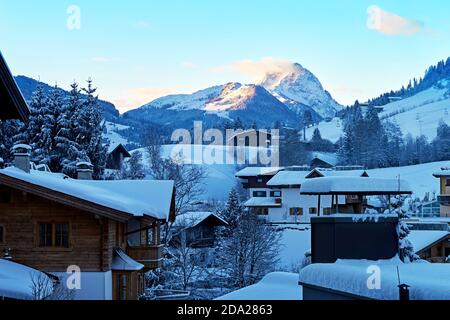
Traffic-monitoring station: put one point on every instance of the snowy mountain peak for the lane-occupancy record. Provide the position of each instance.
(297, 86)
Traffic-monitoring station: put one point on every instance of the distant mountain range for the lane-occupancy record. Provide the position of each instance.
(282, 96)
(28, 86)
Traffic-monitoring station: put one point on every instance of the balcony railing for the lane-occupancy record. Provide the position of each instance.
(149, 256)
(444, 200)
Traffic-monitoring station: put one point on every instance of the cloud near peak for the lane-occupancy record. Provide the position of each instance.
(391, 24)
(257, 69)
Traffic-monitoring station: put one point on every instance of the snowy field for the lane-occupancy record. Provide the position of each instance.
(420, 177)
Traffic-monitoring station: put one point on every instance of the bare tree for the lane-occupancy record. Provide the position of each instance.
(188, 179)
(45, 288)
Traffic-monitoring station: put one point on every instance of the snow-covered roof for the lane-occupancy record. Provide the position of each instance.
(261, 202)
(258, 171)
(445, 172)
(122, 262)
(192, 219)
(114, 145)
(341, 173)
(422, 239)
(274, 286)
(21, 146)
(135, 197)
(16, 280)
(288, 178)
(354, 185)
(427, 281)
(327, 157)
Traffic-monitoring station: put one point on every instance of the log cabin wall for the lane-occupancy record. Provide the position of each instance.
(91, 238)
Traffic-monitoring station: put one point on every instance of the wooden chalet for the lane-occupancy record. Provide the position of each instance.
(109, 229)
(444, 197)
(12, 103)
(117, 153)
(199, 228)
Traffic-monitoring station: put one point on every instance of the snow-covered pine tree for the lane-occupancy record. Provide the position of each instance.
(135, 169)
(46, 147)
(66, 144)
(406, 249)
(9, 129)
(233, 210)
(92, 127)
(31, 132)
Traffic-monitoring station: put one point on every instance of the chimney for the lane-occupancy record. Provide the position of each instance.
(21, 154)
(84, 170)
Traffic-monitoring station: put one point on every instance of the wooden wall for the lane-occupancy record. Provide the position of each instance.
(91, 238)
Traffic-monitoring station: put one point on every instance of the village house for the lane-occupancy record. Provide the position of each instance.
(110, 230)
(274, 193)
(198, 228)
(444, 197)
(117, 153)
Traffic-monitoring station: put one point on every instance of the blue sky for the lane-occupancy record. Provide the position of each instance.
(138, 50)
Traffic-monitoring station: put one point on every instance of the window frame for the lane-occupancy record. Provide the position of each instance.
(296, 211)
(272, 194)
(313, 211)
(261, 191)
(53, 246)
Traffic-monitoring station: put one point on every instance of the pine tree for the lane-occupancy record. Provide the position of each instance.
(91, 135)
(66, 137)
(135, 169)
(233, 210)
(46, 151)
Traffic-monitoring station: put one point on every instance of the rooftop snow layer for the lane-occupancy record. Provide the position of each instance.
(262, 202)
(422, 239)
(349, 185)
(138, 197)
(192, 219)
(16, 280)
(258, 171)
(427, 281)
(288, 178)
(274, 286)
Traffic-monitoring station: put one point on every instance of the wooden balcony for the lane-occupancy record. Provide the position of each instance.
(149, 256)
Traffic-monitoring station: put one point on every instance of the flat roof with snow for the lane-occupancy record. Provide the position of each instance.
(258, 171)
(354, 186)
(427, 281)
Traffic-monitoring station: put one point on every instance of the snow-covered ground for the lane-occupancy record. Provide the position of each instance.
(274, 286)
(295, 241)
(420, 177)
(113, 133)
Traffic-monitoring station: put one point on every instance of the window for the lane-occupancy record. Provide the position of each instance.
(327, 211)
(2, 234)
(296, 211)
(262, 211)
(312, 210)
(259, 180)
(447, 251)
(447, 184)
(53, 235)
(260, 194)
(275, 194)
